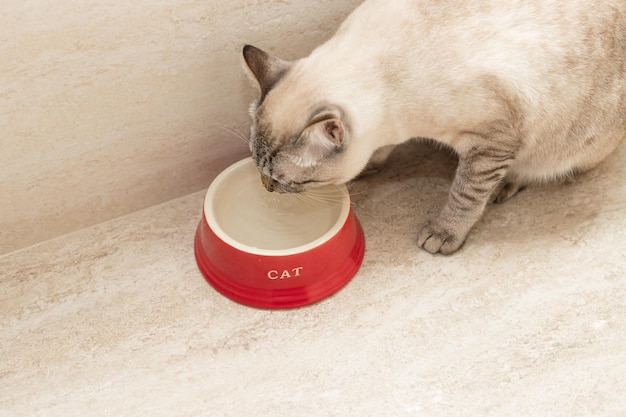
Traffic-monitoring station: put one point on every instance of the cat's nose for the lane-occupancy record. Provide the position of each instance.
(268, 182)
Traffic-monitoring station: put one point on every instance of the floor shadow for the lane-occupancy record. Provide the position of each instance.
(414, 184)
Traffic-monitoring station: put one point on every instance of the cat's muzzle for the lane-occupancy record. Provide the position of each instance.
(269, 183)
(272, 185)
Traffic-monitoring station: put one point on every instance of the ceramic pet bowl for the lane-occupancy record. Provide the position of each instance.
(274, 250)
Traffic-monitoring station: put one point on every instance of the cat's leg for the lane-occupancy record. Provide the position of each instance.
(377, 160)
(480, 171)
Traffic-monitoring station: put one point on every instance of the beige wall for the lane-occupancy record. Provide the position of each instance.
(107, 107)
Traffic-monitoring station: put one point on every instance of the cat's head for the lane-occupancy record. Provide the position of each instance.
(299, 138)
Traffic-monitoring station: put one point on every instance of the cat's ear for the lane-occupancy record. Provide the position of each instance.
(328, 133)
(266, 69)
(322, 138)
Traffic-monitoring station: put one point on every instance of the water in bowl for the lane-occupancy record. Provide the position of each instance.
(254, 217)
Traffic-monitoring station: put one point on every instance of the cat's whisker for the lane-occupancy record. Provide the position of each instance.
(321, 198)
(321, 201)
(355, 193)
(232, 130)
(312, 201)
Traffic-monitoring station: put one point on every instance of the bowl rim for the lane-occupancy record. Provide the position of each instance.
(221, 234)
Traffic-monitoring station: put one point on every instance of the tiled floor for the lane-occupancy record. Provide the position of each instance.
(528, 319)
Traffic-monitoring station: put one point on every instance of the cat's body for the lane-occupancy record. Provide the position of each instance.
(522, 90)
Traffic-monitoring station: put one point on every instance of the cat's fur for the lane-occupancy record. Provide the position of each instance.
(522, 90)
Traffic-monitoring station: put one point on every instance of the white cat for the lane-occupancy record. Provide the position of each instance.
(522, 90)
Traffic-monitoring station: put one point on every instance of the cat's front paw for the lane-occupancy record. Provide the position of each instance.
(435, 238)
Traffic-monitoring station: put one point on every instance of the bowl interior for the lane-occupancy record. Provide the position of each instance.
(242, 213)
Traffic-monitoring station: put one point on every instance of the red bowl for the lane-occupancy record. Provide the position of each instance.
(272, 250)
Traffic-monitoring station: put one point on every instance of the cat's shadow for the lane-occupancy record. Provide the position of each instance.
(414, 184)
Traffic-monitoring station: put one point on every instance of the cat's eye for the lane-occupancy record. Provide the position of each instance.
(303, 182)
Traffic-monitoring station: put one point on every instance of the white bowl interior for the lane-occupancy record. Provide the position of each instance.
(242, 213)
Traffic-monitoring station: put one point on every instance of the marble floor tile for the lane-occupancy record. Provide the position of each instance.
(528, 319)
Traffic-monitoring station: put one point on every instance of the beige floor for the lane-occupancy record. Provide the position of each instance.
(529, 319)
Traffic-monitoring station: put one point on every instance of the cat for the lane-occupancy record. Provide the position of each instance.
(522, 90)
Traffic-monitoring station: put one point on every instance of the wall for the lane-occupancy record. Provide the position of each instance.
(107, 107)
